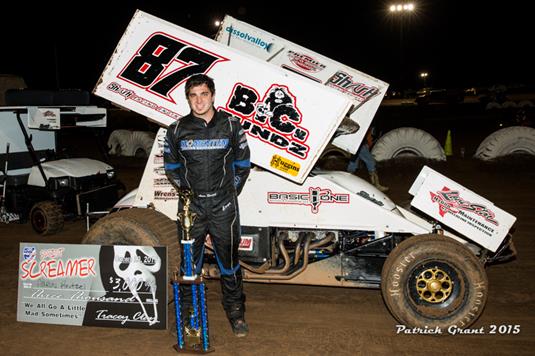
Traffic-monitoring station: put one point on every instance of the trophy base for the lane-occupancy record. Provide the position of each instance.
(192, 350)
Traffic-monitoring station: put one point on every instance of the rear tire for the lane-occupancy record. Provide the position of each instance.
(432, 281)
(46, 218)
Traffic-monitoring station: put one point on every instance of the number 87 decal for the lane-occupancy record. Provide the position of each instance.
(148, 67)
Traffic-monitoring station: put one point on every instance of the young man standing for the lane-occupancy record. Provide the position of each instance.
(207, 153)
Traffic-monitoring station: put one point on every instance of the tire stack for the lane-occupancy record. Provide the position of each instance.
(407, 142)
(506, 141)
(130, 143)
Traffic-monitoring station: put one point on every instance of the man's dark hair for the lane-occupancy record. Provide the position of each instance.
(200, 79)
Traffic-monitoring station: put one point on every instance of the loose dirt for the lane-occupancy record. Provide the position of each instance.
(302, 320)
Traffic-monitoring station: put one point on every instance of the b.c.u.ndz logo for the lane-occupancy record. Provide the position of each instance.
(275, 119)
(213, 144)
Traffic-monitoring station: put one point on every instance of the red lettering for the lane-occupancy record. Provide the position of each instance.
(72, 267)
(82, 267)
(26, 272)
(82, 263)
(91, 265)
(42, 266)
(61, 270)
(51, 272)
(34, 276)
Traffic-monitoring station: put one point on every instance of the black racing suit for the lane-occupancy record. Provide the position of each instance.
(213, 161)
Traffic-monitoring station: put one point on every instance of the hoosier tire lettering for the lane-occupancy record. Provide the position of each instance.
(395, 290)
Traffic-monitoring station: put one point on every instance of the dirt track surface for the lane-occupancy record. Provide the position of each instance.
(303, 320)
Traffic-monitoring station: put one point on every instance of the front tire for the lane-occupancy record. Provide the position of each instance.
(433, 281)
(46, 218)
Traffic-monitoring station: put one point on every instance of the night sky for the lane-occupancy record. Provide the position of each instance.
(460, 43)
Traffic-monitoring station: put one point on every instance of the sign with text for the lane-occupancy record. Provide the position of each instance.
(365, 91)
(288, 120)
(460, 209)
(91, 285)
(44, 118)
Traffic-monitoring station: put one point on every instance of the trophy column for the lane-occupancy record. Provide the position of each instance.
(192, 335)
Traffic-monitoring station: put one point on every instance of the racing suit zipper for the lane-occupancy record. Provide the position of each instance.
(207, 136)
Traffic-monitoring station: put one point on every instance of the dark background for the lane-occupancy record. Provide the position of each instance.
(460, 43)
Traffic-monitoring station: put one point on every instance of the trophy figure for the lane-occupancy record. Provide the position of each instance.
(192, 335)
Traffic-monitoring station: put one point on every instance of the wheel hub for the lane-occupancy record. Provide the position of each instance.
(39, 221)
(434, 285)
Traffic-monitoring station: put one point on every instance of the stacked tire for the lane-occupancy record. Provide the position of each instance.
(507, 141)
(131, 143)
(407, 142)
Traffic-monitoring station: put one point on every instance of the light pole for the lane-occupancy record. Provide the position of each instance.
(401, 10)
(424, 76)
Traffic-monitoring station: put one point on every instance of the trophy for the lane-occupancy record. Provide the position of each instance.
(192, 335)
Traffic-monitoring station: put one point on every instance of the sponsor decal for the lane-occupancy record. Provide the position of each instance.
(159, 171)
(246, 243)
(300, 73)
(367, 196)
(285, 165)
(52, 253)
(313, 198)
(161, 182)
(274, 120)
(344, 82)
(226, 206)
(158, 159)
(305, 62)
(49, 113)
(162, 142)
(129, 94)
(163, 195)
(29, 253)
(201, 145)
(450, 201)
(44, 118)
(246, 37)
